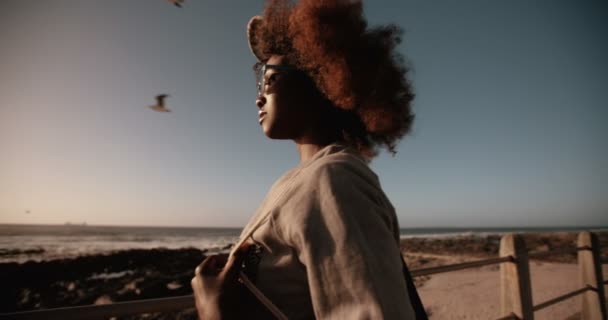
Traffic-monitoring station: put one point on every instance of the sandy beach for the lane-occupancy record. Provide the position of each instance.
(143, 274)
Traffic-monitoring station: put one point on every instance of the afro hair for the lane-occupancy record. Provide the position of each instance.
(357, 68)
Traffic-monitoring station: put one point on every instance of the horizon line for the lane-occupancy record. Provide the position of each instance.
(240, 227)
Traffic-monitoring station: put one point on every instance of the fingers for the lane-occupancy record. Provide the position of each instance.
(226, 266)
(233, 265)
(207, 267)
(195, 290)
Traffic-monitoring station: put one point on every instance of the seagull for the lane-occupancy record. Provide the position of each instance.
(177, 3)
(160, 103)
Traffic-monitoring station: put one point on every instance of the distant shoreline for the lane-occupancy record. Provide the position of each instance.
(20, 243)
(411, 230)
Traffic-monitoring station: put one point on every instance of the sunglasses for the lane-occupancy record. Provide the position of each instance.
(260, 72)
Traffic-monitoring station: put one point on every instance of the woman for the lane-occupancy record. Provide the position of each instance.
(325, 242)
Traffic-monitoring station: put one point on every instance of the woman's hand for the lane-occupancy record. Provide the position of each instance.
(215, 286)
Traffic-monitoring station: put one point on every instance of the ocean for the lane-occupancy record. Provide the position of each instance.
(20, 243)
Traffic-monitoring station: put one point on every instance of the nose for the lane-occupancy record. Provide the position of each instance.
(260, 101)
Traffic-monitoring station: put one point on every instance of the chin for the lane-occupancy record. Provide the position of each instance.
(274, 134)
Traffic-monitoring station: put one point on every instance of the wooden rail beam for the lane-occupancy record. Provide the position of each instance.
(105, 311)
(459, 266)
(560, 298)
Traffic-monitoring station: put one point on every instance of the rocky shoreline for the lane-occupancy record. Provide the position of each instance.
(99, 279)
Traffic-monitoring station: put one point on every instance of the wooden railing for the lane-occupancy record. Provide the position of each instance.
(516, 289)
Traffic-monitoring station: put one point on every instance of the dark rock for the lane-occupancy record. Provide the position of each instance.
(119, 276)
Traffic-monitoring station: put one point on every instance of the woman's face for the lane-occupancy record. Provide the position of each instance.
(285, 105)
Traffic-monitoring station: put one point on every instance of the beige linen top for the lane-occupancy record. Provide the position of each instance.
(330, 242)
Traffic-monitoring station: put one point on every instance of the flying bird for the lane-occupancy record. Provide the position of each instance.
(160, 103)
(177, 3)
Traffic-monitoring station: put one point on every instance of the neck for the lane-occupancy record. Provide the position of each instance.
(308, 150)
(309, 145)
(316, 137)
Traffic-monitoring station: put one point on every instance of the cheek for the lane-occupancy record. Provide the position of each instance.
(281, 121)
(279, 107)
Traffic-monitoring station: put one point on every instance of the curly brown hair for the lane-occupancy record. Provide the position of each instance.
(355, 67)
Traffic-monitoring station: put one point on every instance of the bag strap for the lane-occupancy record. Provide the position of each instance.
(413, 293)
(261, 297)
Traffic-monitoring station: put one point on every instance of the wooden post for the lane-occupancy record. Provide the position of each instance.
(516, 290)
(590, 271)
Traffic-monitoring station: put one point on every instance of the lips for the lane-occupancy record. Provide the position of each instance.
(261, 115)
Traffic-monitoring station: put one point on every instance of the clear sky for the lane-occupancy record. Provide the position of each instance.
(511, 118)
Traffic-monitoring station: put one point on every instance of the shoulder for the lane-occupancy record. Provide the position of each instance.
(335, 173)
(335, 192)
(342, 167)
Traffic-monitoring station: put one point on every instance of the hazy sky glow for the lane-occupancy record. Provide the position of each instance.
(510, 129)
